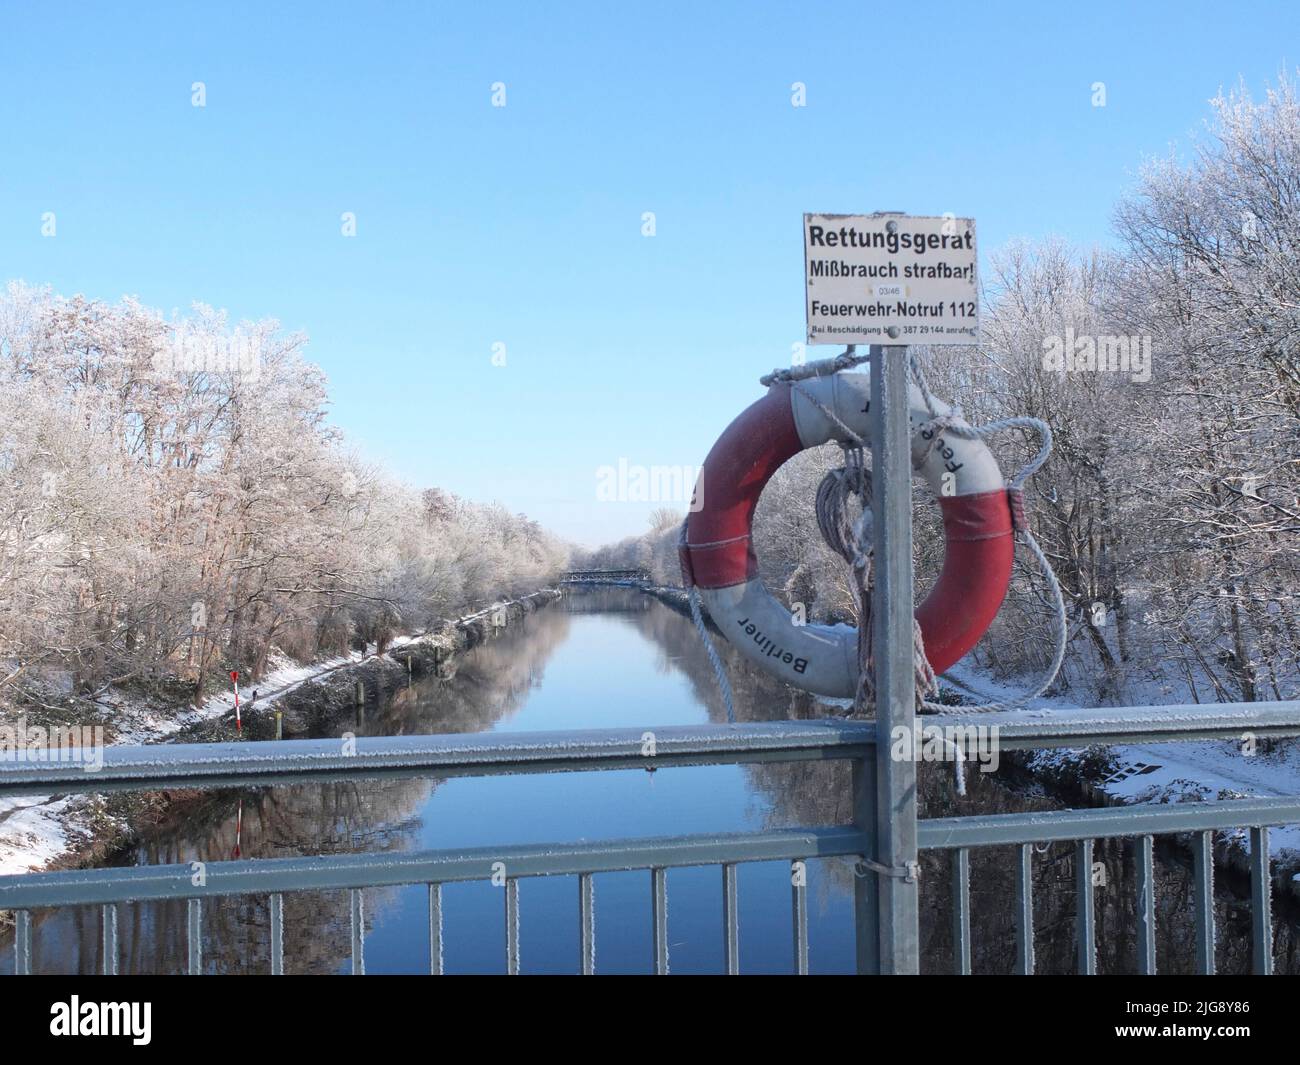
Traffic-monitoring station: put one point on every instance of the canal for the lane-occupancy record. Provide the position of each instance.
(609, 658)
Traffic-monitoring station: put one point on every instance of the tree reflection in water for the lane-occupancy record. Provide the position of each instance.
(490, 687)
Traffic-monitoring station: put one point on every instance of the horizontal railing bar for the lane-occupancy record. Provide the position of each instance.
(349, 871)
(138, 768)
(465, 754)
(1037, 729)
(991, 830)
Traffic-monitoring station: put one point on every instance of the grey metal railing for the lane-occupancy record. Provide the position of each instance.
(299, 761)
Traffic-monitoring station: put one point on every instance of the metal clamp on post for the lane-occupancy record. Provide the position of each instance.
(909, 873)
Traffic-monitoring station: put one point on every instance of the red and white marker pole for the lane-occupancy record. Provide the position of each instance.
(234, 676)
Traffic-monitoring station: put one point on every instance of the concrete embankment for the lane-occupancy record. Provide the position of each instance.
(675, 599)
(317, 704)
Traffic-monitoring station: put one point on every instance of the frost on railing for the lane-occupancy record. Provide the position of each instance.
(293, 761)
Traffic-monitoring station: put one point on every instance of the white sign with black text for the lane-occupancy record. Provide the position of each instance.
(890, 279)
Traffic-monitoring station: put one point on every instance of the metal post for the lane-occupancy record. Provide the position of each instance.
(512, 927)
(1203, 895)
(866, 892)
(435, 930)
(1146, 907)
(277, 934)
(109, 914)
(799, 914)
(1261, 902)
(587, 923)
(194, 936)
(1085, 919)
(961, 911)
(659, 918)
(1025, 911)
(358, 911)
(895, 675)
(23, 943)
(731, 919)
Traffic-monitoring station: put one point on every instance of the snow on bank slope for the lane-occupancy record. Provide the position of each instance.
(1210, 770)
(1177, 771)
(36, 830)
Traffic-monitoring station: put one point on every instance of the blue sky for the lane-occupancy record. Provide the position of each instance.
(522, 225)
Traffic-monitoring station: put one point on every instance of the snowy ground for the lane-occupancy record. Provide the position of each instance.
(34, 831)
(1173, 772)
(1177, 771)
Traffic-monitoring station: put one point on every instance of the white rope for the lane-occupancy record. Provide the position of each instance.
(1016, 485)
(719, 670)
(845, 360)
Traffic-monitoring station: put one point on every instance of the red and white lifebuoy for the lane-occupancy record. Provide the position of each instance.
(718, 556)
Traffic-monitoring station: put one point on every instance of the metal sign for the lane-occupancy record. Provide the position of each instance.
(890, 279)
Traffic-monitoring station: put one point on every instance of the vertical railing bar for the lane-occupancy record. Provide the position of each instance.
(731, 920)
(1146, 906)
(1085, 914)
(587, 922)
(1025, 911)
(659, 905)
(512, 926)
(1203, 877)
(961, 911)
(1261, 904)
(277, 934)
(799, 914)
(358, 917)
(866, 890)
(435, 930)
(893, 650)
(194, 936)
(109, 918)
(23, 943)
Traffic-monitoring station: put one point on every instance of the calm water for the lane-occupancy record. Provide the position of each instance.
(601, 658)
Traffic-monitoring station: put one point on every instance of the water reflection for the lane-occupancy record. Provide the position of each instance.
(608, 657)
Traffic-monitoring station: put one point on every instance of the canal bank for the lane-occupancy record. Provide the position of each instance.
(58, 832)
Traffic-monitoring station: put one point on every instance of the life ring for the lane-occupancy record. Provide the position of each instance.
(717, 553)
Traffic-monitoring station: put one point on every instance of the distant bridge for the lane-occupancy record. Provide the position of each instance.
(606, 576)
